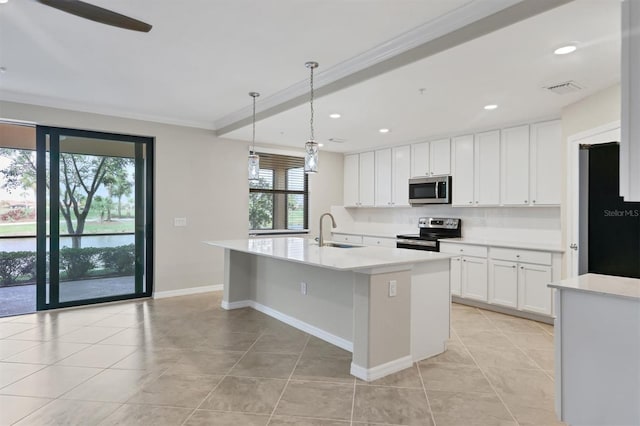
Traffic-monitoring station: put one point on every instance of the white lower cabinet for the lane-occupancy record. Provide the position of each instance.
(511, 278)
(503, 283)
(378, 241)
(364, 240)
(533, 293)
(474, 278)
(347, 238)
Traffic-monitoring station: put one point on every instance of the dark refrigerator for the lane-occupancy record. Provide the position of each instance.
(613, 225)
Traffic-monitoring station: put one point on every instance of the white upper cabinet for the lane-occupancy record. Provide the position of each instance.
(383, 178)
(401, 170)
(367, 176)
(358, 179)
(440, 157)
(431, 158)
(545, 162)
(462, 168)
(351, 180)
(514, 166)
(420, 165)
(487, 169)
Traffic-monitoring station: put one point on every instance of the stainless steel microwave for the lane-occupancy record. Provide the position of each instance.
(430, 190)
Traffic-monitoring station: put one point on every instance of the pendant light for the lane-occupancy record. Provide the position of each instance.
(311, 147)
(254, 159)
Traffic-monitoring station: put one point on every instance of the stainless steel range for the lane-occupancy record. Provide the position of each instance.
(432, 229)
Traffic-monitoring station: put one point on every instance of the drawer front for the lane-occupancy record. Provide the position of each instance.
(463, 249)
(378, 242)
(517, 255)
(347, 238)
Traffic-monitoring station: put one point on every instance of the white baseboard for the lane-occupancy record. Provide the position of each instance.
(236, 305)
(294, 322)
(370, 374)
(187, 291)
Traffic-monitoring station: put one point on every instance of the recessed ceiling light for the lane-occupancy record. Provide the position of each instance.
(335, 115)
(569, 48)
(4, 1)
(320, 145)
(490, 107)
(384, 130)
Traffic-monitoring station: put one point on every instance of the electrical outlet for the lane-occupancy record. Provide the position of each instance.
(303, 288)
(179, 221)
(393, 288)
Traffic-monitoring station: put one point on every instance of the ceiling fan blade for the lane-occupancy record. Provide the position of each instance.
(98, 14)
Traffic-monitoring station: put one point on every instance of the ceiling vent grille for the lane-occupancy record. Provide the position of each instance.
(337, 140)
(564, 88)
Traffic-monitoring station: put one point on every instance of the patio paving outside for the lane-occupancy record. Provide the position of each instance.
(16, 300)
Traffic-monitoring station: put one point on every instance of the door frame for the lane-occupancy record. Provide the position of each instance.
(609, 132)
(144, 258)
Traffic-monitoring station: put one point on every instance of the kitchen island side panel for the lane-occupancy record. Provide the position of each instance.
(239, 275)
(430, 308)
(599, 359)
(328, 304)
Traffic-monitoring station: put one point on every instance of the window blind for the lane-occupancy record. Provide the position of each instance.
(279, 199)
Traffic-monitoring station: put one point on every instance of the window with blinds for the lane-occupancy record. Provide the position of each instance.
(279, 200)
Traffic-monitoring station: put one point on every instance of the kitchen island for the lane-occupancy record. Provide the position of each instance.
(390, 307)
(597, 350)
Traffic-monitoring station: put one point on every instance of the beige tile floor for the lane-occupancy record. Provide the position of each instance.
(186, 361)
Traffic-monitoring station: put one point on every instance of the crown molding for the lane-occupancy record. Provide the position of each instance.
(472, 20)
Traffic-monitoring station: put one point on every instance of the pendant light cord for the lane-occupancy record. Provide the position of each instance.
(254, 95)
(253, 138)
(311, 102)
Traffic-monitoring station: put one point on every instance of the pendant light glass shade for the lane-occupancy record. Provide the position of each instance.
(253, 162)
(254, 166)
(311, 147)
(311, 157)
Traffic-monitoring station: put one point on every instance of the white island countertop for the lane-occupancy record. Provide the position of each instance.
(607, 285)
(307, 251)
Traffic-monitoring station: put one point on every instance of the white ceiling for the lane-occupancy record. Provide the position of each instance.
(508, 67)
(202, 57)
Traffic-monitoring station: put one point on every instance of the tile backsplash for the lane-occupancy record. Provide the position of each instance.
(530, 224)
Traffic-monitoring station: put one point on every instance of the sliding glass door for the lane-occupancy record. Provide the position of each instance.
(94, 224)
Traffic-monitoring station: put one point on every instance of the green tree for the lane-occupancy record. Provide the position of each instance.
(261, 205)
(81, 176)
(119, 186)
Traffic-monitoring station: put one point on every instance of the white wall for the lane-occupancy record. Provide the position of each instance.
(594, 111)
(198, 176)
(600, 108)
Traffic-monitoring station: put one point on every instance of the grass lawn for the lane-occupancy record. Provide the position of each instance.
(29, 229)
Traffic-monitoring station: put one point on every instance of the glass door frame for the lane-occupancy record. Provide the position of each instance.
(144, 211)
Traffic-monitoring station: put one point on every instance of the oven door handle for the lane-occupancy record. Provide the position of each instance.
(418, 242)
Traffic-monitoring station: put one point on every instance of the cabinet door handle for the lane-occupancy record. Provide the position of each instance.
(534, 201)
(476, 202)
(470, 202)
(525, 201)
(517, 255)
(522, 267)
(514, 266)
(464, 260)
